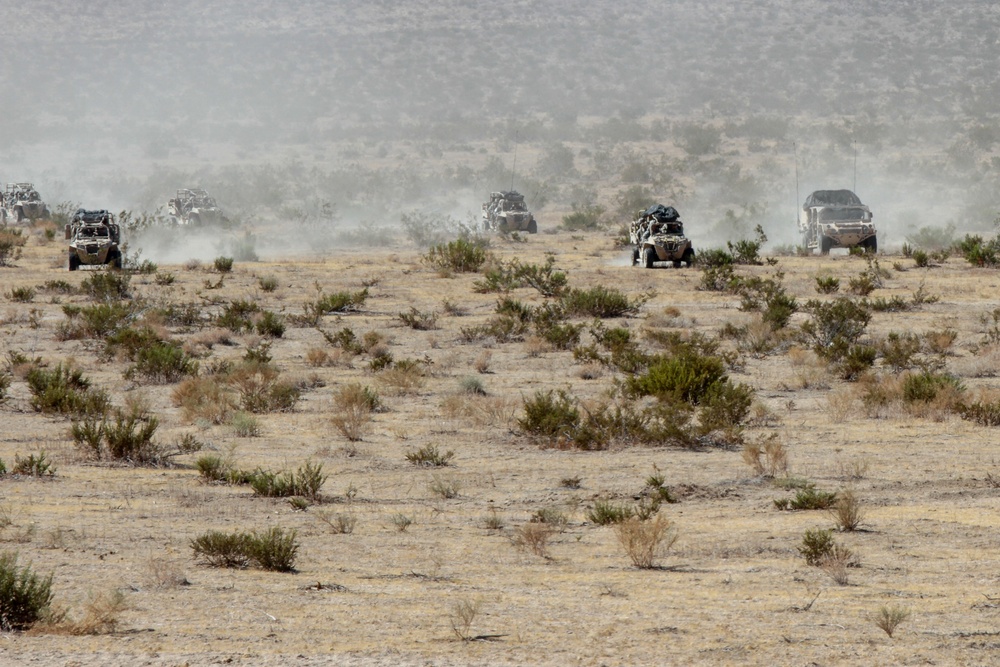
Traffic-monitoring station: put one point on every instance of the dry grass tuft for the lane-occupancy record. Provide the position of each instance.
(847, 513)
(888, 619)
(644, 541)
(768, 458)
(534, 537)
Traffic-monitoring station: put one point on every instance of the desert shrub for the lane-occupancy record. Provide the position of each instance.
(207, 398)
(212, 467)
(926, 386)
(25, 597)
(855, 361)
(827, 284)
(605, 512)
(11, 242)
(267, 283)
(260, 389)
(128, 438)
(269, 324)
(644, 541)
(403, 377)
(429, 455)
(768, 458)
(237, 316)
(984, 410)
(223, 264)
(127, 342)
(22, 294)
(244, 425)
(418, 320)
(98, 321)
(808, 498)
(601, 302)
(933, 238)
(161, 362)
(339, 523)
(461, 255)
(862, 285)
(888, 619)
(305, 482)
(725, 405)
(898, 350)
(5, 381)
(584, 217)
(835, 325)
(549, 414)
(65, 390)
(894, 304)
(686, 376)
(816, 545)
(747, 251)
(107, 285)
(354, 406)
(847, 512)
(164, 279)
(534, 537)
(273, 549)
(445, 487)
(978, 252)
(33, 466)
(921, 259)
(767, 296)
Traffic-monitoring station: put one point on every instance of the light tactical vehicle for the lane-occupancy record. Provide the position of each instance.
(507, 212)
(93, 239)
(657, 235)
(21, 201)
(837, 219)
(194, 207)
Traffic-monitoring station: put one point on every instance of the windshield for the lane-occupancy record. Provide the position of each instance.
(834, 214)
(514, 206)
(94, 232)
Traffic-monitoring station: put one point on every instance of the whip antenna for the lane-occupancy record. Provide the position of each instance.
(513, 166)
(795, 155)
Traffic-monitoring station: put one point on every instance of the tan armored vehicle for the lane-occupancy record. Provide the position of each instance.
(93, 239)
(657, 235)
(507, 212)
(194, 207)
(837, 219)
(21, 201)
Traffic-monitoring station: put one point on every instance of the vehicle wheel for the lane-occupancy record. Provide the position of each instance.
(635, 256)
(688, 257)
(824, 245)
(648, 257)
(871, 245)
(532, 227)
(18, 214)
(677, 263)
(74, 262)
(194, 220)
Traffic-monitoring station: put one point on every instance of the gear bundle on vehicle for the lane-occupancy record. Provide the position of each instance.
(657, 235)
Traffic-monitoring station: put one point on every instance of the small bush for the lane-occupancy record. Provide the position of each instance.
(445, 487)
(605, 512)
(602, 302)
(207, 398)
(22, 294)
(11, 242)
(549, 415)
(429, 455)
(237, 316)
(245, 425)
(418, 320)
(161, 363)
(65, 390)
(25, 597)
(889, 618)
(305, 482)
(461, 255)
(809, 498)
(921, 259)
(34, 466)
(827, 284)
(339, 524)
(273, 549)
(260, 389)
(164, 279)
(128, 439)
(768, 458)
(847, 511)
(270, 325)
(223, 264)
(816, 545)
(644, 541)
(107, 285)
(534, 537)
(268, 283)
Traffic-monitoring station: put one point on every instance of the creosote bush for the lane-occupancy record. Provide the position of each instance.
(25, 597)
(305, 482)
(429, 455)
(65, 390)
(461, 255)
(273, 549)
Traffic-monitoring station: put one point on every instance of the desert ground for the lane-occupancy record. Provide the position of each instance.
(732, 589)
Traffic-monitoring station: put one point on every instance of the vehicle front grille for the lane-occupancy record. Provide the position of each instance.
(92, 249)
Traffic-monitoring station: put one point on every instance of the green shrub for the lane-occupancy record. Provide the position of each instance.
(601, 302)
(34, 466)
(827, 284)
(686, 376)
(223, 264)
(724, 406)
(244, 425)
(237, 316)
(164, 279)
(816, 546)
(747, 251)
(979, 253)
(461, 255)
(306, 482)
(107, 285)
(65, 390)
(898, 350)
(11, 242)
(924, 387)
(604, 513)
(921, 259)
(549, 414)
(128, 439)
(270, 325)
(587, 217)
(429, 455)
(161, 363)
(984, 412)
(835, 325)
(273, 549)
(25, 597)
(339, 302)
(932, 238)
(809, 498)
(260, 389)
(22, 294)
(419, 320)
(268, 283)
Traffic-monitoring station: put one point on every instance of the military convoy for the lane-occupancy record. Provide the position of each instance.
(836, 219)
(194, 207)
(657, 235)
(506, 212)
(21, 201)
(94, 238)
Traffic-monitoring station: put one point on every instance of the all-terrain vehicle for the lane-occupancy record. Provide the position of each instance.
(93, 239)
(21, 201)
(507, 212)
(837, 219)
(194, 207)
(657, 235)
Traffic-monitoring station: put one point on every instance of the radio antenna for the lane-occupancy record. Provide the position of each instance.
(855, 166)
(795, 155)
(513, 166)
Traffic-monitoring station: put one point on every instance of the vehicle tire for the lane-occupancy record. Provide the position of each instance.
(74, 262)
(18, 214)
(194, 220)
(677, 263)
(871, 245)
(648, 257)
(825, 243)
(688, 257)
(532, 227)
(635, 256)
(115, 260)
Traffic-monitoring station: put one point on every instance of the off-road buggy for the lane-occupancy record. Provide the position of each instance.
(194, 207)
(836, 219)
(507, 212)
(21, 201)
(657, 235)
(93, 239)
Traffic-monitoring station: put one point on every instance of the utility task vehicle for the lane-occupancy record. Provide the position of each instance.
(657, 235)
(194, 207)
(507, 212)
(836, 219)
(21, 201)
(93, 239)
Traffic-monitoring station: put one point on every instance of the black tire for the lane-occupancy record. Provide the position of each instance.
(74, 262)
(115, 260)
(194, 220)
(648, 257)
(677, 263)
(18, 214)
(688, 257)
(871, 245)
(635, 256)
(825, 243)
(532, 227)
